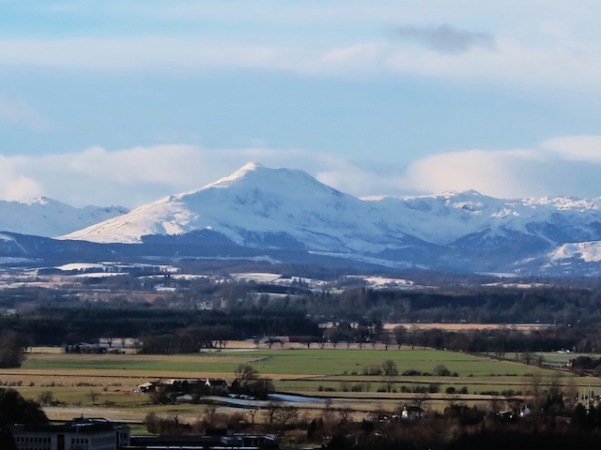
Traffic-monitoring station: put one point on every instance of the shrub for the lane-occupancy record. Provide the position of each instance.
(440, 370)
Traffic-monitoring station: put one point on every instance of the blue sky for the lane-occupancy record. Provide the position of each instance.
(123, 101)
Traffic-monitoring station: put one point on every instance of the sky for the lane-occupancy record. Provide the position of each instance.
(120, 102)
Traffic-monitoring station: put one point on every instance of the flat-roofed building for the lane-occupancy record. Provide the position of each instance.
(79, 434)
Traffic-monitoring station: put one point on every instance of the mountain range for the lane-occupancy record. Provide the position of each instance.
(286, 214)
(46, 217)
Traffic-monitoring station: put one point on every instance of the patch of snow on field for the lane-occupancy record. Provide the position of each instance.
(383, 282)
(99, 274)
(80, 266)
(257, 277)
(179, 276)
(517, 285)
(117, 266)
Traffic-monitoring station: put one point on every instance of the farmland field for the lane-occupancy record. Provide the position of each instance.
(104, 384)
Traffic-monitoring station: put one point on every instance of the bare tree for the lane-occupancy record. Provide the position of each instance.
(527, 357)
(252, 412)
(400, 333)
(45, 398)
(540, 360)
(286, 414)
(514, 403)
(245, 373)
(453, 400)
(534, 391)
(389, 374)
(210, 416)
(571, 394)
(137, 344)
(271, 410)
(413, 336)
(345, 414)
(93, 396)
(386, 338)
(495, 404)
(420, 400)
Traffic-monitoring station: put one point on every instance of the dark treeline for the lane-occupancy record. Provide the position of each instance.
(473, 305)
(502, 341)
(191, 328)
(168, 331)
(350, 301)
(204, 313)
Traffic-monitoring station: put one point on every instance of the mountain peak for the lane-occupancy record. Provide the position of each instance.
(40, 200)
(238, 174)
(252, 165)
(470, 193)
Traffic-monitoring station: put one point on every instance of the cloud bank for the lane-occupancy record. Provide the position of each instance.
(130, 177)
(511, 53)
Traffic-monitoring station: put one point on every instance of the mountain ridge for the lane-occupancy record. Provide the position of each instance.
(43, 216)
(289, 210)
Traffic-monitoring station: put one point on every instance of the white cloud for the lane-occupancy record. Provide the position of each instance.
(512, 61)
(22, 189)
(528, 44)
(14, 185)
(138, 175)
(133, 53)
(531, 172)
(18, 112)
(580, 148)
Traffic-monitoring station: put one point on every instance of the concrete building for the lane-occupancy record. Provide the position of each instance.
(79, 434)
(206, 442)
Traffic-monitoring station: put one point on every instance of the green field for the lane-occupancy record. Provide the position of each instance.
(338, 373)
(280, 362)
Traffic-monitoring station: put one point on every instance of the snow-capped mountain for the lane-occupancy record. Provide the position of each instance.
(449, 217)
(288, 210)
(257, 206)
(46, 217)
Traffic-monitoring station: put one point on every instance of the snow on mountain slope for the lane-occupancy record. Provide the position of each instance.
(256, 201)
(445, 218)
(259, 207)
(46, 217)
(585, 251)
